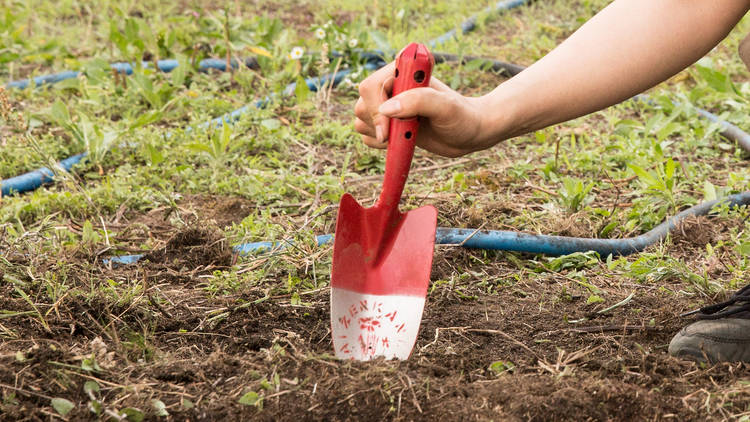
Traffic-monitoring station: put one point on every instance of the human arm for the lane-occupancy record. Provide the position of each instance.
(628, 47)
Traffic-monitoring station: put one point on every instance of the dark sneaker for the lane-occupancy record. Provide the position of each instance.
(722, 333)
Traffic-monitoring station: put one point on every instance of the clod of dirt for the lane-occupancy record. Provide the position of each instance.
(200, 245)
(695, 231)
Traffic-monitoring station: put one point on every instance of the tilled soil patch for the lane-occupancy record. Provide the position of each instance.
(511, 355)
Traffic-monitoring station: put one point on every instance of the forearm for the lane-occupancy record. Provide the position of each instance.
(628, 47)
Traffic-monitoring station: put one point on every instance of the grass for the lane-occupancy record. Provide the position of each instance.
(185, 335)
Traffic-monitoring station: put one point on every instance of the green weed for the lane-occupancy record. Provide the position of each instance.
(573, 193)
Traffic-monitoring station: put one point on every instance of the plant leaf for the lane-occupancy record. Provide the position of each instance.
(146, 119)
(260, 51)
(251, 398)
(301, 90)
(59, 113)
(715, 79)
(132, 414)
(62, 406)
(180, 72)
(91, 386)
(709, 191)
(271, 124)
(200, 148)
(159, 407)
(643, 175)
(500, 366)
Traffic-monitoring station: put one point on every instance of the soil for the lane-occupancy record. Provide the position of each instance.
(502, 337)
(179, 343)
(193, 247)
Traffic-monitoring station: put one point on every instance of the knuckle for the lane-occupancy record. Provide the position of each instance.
(360, 109)
(360, 126)
(366, 86)
(380, 119)
(453, 102)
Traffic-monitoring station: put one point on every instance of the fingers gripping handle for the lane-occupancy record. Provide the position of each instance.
(413, 70)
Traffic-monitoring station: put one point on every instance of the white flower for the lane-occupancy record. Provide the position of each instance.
(296, 53)
(320, 33)
(353, 42)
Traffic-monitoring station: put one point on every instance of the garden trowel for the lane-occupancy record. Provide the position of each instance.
(382, 257)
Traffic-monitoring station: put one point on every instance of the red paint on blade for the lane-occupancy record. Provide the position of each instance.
(394, 260)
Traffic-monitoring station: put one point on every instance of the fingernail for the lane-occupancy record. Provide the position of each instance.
(379, 133)
(390, 107)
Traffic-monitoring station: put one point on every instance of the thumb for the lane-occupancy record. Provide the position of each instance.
(426, 102)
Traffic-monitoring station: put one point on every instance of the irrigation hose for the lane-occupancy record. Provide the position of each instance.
(36, 178)
(167, 65)
(535, 243)
(504, 240)
(468, 238)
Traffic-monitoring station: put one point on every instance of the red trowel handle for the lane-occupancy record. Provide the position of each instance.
(413, 70)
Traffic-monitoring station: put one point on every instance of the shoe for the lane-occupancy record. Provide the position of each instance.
(722, 333)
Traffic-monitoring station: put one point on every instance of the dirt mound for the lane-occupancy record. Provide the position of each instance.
(696, 232)
(200, 245)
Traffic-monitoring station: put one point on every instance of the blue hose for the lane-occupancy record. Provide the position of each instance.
(35, 179)
(471, 23)
(168, 65)
(468, 238)
(729, 130)
(560, 245)
(519, 242)
(312, 83)
(44, 79)
(127, 68)
(374, 60)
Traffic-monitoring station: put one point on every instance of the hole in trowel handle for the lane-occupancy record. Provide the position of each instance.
(407, 135)
(419, 76)
(396, 73)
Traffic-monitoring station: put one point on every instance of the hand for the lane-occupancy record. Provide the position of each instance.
(451, 124)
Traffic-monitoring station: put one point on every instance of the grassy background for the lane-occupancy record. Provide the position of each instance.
(280, 171)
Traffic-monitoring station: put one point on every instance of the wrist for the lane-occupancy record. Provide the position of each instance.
(498, 117)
